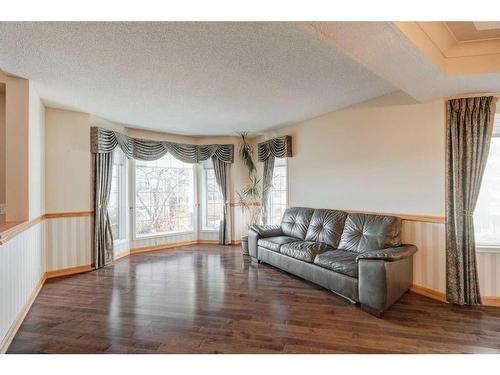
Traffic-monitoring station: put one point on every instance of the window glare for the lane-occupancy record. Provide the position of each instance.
(278, 193)
(487, 212)
(213, 204)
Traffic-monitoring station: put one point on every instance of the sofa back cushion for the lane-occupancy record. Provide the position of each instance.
(326, 226)
(296, 221)
(363, 232)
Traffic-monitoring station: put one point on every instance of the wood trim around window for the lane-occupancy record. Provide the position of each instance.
(68, 214)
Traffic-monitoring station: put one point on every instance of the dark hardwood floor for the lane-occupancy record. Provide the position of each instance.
(211, 299)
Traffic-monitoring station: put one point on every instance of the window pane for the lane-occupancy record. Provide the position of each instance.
(164, 195)
(278, 194)
(116, 204)
(487, 213)
(212, 199)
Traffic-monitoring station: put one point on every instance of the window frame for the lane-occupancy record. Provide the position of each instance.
(133, 208)
(203, 207)
(484, 247)
(270, 202)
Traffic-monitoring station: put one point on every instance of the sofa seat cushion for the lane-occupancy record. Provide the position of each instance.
(274, 243)
(341, 261)
(304, 250)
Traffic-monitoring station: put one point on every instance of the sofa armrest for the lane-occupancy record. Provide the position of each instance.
(384, 276)
(267, 230)
(390, 254)
(260, 231)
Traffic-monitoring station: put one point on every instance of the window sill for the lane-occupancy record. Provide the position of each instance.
(210, 230)
(492, 249)
(165, 234)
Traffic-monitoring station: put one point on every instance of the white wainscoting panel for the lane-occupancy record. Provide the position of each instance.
(488, 265)
(120, 248)
(429, 263)
(209, 236)
(240, 223)
(68, 242)
(429, 268)
(163, 240)
(21, 268)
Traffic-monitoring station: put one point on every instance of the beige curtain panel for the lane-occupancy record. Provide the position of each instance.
(469, 126)
(103, 237)
(221, 171)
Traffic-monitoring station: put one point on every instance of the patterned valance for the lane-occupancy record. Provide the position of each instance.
(280, 147)
(105, 141)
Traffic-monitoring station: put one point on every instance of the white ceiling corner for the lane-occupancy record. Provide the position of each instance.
(383, 49)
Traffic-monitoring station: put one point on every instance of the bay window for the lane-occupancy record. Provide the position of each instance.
(278, 196)
(164, 196)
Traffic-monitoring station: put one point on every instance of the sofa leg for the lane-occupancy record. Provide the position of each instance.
(372, 311)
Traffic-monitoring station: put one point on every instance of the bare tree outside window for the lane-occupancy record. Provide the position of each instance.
(164, 196)
(213, 204)
(279, 190)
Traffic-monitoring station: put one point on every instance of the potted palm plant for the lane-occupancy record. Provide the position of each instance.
(250, 197)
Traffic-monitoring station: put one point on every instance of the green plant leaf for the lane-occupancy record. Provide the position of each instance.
(246, 154)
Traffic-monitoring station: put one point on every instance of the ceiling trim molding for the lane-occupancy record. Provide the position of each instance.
(436, 41)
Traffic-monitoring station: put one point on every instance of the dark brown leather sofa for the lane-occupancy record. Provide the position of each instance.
(358, 256)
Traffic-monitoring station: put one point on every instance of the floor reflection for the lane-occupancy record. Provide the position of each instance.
(179, 286)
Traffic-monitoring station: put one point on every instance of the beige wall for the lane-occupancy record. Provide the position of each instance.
(2, 148)
(68, 160)
(36, 155)
(67, 155)
(386, 155)
(16, 148)
(22, 146)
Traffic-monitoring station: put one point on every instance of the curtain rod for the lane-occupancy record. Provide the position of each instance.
(473, 95)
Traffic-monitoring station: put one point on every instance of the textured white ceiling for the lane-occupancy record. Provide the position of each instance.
(384, 50)
(191, 78)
